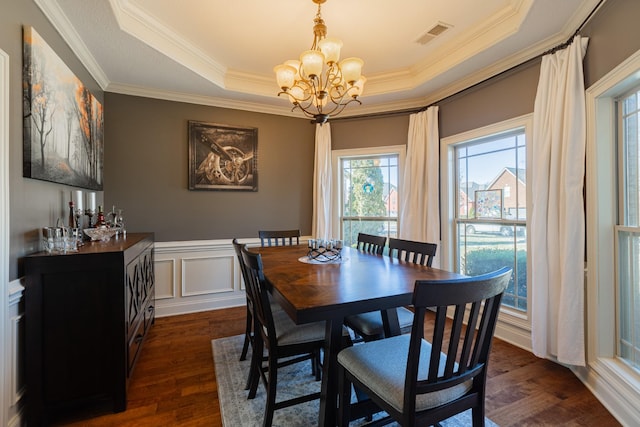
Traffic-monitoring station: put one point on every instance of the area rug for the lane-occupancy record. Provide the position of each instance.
(293, 380)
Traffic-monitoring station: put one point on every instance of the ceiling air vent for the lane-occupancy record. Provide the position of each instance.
(434, 31)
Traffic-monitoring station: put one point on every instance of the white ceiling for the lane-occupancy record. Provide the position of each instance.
(222, 52)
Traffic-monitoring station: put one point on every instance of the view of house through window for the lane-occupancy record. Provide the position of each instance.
(491, 213)
(628, 230)
(369, 196)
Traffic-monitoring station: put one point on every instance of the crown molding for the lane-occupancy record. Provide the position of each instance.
(212, 101)
(150, 31)
(58, 19)
(386, 83)
(153, 33)
(284, 110)
(250, 83)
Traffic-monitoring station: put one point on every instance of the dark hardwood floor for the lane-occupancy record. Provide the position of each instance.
(174, 382)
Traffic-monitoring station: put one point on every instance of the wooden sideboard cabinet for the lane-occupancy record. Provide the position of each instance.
(87, 314)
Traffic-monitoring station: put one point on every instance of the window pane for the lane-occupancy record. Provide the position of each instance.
(383, 227)
(631, 145)
(483, 252)
(369, 196)
(629, 297)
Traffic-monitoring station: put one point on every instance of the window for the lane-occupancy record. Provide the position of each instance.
(491, 221)
(628, 230)
(612, 256)
(367, 183)
(487, 199)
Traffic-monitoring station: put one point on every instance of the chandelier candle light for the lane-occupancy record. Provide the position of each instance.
(319, 91)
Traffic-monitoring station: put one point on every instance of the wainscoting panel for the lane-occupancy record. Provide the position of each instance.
(207, 275)
(165, 277)
(197, 275)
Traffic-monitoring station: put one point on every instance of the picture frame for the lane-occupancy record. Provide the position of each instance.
(63, 137)
(488, 204)
(222, 157)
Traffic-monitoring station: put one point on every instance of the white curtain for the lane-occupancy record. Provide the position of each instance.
(321, 223)
(557, 211)
(419, 197)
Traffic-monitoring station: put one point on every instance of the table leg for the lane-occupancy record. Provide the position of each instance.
(329, 391)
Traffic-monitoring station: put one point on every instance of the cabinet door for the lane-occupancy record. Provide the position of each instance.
(139, 302)
(149, 283)
(79, 358)
(133, 294)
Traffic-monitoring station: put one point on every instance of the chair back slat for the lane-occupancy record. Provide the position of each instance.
(467, 337)
(370, 243)
(279, 237)
(412, 251)
(454, 340)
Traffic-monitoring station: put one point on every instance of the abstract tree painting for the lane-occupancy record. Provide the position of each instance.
(63, 122)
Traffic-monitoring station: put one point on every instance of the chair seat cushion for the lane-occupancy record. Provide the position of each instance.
(381, 365)
(289, 333)
(274, 306)
(370, 323)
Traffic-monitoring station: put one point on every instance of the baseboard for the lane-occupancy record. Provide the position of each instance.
(182, 307)
(514, 335)
(620, 397)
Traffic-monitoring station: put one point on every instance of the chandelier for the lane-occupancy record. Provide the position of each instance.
(319, 84)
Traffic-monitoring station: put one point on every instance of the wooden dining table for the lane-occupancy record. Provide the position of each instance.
(360, 282)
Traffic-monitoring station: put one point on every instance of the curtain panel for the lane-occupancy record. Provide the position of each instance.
(321, 222)
(557, 212)
(419, 193)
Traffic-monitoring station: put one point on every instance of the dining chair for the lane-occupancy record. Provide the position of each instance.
(370, 326)
(420, 382)
(279, 237)
(276, 333)
(370, 243)
(248, 330)
(267, 238)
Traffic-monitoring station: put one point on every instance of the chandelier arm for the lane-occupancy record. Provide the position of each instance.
(305, 112)
(307, 105)
(338, 107)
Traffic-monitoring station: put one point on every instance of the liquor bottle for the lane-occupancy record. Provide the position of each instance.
(100, 222)
(72, 215)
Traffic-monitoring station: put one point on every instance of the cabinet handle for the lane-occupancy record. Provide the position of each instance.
(139, 338)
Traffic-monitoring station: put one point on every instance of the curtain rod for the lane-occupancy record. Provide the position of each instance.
(554, 49)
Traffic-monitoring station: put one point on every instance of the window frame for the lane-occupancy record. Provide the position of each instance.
(615, 383)
(513, 325)
(336, 178)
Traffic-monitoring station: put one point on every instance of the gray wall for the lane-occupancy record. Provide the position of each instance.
(146, 142)
(33, 203)
(509, 95)
(146, 172)
(614, 34)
